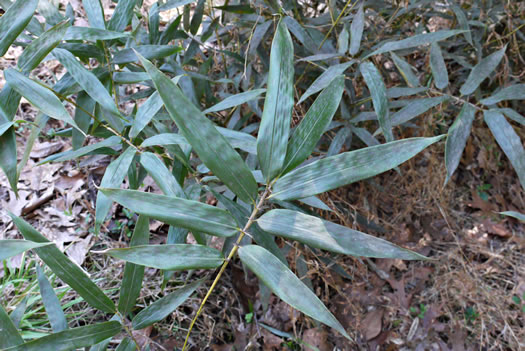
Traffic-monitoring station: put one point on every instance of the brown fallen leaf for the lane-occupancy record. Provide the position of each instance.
(45, 149)
(316, 337)
(372, 324)
(496, 229)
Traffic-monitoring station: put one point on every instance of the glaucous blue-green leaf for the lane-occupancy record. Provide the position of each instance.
(406, 70)
(95, 13)
(325, 235)
(258, 36)
(213, 149)
(462, 21)
(13, 22)
(513, 92)
(121, 16)
(163, 307)
(65, 269)
(176, 211)
(35, 52)
(415, 108)
(235, 100)
(342, 40)
(133, 274)
(325, 79)
(72, 339)
(396, 92)
(457, 138)
(512, 114)
(113, 178)
(38, 95)
(165, 139)
(148, 51)
(347, 167)
(92, 34)
(83, 112)
(51, 303)
(514, 214)
(481, 71)
(377, 88)
(171, 4)
(196, 19)
(356, 30)
(130, 77)
(283, 283)
(72, 154)
(49, 10)
(8, 158)
(10, 336)
(171, 257)
(5, 126)
(161, 174)
(438, 66)
(508, 140)
(240, 140)
(278, 104)
(315, 202)
(127, 344)
(13, 247)
(312, 126)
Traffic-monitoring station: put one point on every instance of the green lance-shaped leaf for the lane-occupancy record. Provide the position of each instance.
(72, 154)
(512, 114)
(176, 211)
(342, 40)
(325, 79)
(438, 66)
(127, 344)
(514, 92)
(406, 70)
(52, 305)
(481, 71)
(196, 20)
(72, 339)
(171, 4)
(213, 149)
(240, 140)
(133, 274)
(356, 30)
(8, 159)
(148, 51)
(508, 140)
(121, 16)
(377, 88)
(38, 95)
(283, 283)
(415, 41)
(65, 269)
(10, 336)
(235, 100)
(171, 257)
(514, 214)
(325, 235)
(95, 13)
(86, 79)
(416, 108)
(130, 77)
(165, 139)
(457, 138)
(163, 307)
(161, 174)
(13, 247)
(85, 107)
(5, 126)
(13, 22)
(278, 105)
(113, 178)
(92, 34)
(348, 167)
(462, 21)
(313, 125)
(35, 52)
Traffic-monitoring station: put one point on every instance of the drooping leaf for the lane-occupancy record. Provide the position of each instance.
(196, 20)
(148, 51)
(95, 13)
(512, 114)
(342, 40)
(83, 112)
(481, 71)
(163, 307)
(462, 21)
(5, 127)
(72, 339)
(35, 52)
(52, 305)
(92, 34)
(235, 100)
(213, 149)
(356, 30)
(113, 178)
(325, 79)
(121, 16)
(65, 269)
(171, 257)
(13, 22)
(514, 214)
(127, 344)
(162, 176)
(508, 140)
(165, 139)
(315, 202)
(283, 283)
(176, 211)
(278, 105)
(50, 12)
(438, 66)
(513, 92)
(339, 140)
(258, 36)
(10, 336)
(377, 88)
(39, 96)
(325, 235)
(406, 70)
(72, 154)
(13, 247)
(457, 138)
(313, 125)
(133, 274)
(171, 4)
(348, 167)
(416, 108)
(8, 158)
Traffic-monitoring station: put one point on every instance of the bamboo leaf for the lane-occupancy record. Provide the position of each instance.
(348, 167)
(196, 20)
(235, 100)
(176, 211)
(95, 13)
(512, 114)
(508, 140)
(313, 125)
(52, 305)
(8, 158)
(416, 108)
(92, 34)
(165, 139)
(283, 283)
(150, 52)
(278, 105)
(240, 140)
(325, 235)
(514, 92)
(171, 257)
(457, 139)
(514, 214)
(481, 71)
(163, 307)
(356, 30)
(342, 40)
(13, 247)
(10, 336)
(325, 79)
(171, 4)
(462, 21)
(65, 269)
(213, 149)
(162, 176)
(133, 274)
(438, 66)
(406, 70)
(85, 107)
(121, 16)
(72, 154)
(13, 22)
